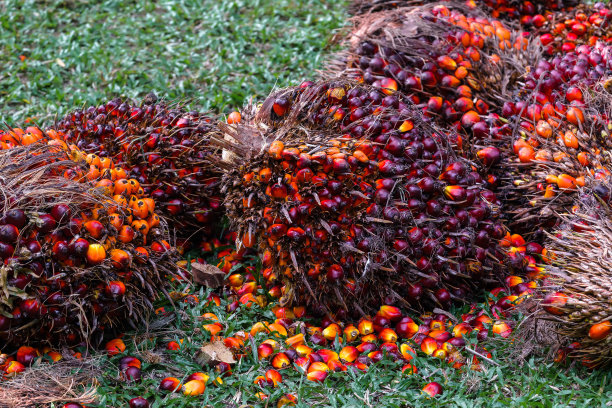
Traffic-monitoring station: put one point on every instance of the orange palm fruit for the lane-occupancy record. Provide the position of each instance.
(193, 388)
(601, 330)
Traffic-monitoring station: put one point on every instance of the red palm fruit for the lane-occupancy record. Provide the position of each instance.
(391, 313)
(388, 85)
(317, 376)
(434, 104)
(601, 330)
(129, 361)
(72, 405)
(234, 118)
(280, 106)
(447, 63)
(139, 402)
(95, 254)
(328, 355)
(409, 369)
(461, 329)
(132, 374)
(428, 345)
(115, 289)
(318, 366)
(365, 327)
(406, 328)
(336, 366)
(302, 362)
(407, 352)
(455, 193)
(432, 389)
(388, 335)
(489, 155)
(264, 351)
(440, 354)
(575, 115)
(26, 355)
(274, 377)
(303, 350)
(469, 119)
(348, 354)
(9, 233)
(281, 361)
(502, 328)
(463, 104)
(13, 368)
(115, 346)
(331, 331)
(173, 345)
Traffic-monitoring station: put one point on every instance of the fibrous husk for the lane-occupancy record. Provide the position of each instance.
(368, 239)
(69, 380)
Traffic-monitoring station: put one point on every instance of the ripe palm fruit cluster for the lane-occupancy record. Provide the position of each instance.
(582, 304)
(163, 147)
(83, 249)
(350, 199)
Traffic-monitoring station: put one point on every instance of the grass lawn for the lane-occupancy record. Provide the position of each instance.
(58, 55)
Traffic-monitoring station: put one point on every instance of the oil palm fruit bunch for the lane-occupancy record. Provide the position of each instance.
(580, 302)
(557, 127)
(351, 200)
(83, 248)
(161, 146)
(458, 68)
(443, 58)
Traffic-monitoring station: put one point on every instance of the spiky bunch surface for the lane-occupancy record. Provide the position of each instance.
(352, 200)
(582, 304)
(84, 252)
(162, 146)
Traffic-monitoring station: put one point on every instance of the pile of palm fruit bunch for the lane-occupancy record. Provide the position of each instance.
(352, 200)
(578, 299)
(84, 251)
(164, 147)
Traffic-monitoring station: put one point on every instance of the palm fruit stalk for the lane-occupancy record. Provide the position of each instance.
(352, 200)
(579, 299)
(163, 147)
(84, 251)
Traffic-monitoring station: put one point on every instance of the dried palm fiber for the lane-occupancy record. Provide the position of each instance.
(68, 380)
(578, 296)
(84, 252)
(558, 129)
(353, 200)
(161, 145)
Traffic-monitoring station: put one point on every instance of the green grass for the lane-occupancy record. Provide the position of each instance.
(535, 383)
(216, 54)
